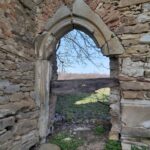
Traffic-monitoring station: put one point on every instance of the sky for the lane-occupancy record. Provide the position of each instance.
(70, 55)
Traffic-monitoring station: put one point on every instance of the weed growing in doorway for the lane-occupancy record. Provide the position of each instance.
(113, 145)
(66, 141)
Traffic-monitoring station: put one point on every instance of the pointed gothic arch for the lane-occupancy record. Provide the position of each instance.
(81, 17)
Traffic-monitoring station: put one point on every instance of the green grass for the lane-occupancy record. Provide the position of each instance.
(66, 141)
(84, 106)
(99, 130)
(113, 145)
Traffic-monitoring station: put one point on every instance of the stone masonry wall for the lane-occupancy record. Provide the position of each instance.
(21, 21)
(18, 112)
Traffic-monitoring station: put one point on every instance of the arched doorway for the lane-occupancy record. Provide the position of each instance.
(81, 17)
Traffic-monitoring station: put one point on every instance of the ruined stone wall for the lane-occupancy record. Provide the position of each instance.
(18, 112)
(129, 20)
(21, 21)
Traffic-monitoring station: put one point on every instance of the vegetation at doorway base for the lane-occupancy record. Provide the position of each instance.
(66, 141)
(99, 130)
(113, 145)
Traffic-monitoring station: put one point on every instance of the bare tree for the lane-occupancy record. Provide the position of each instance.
(77, 47)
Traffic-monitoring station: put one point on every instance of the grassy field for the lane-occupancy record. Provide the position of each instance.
(84, 106)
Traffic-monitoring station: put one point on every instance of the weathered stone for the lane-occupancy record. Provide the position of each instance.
(61, 13)
(4, 84)
(3, 131)
(146, 7)
(29, 140)
(133, 94)
(129, 36)
(114, 135)
(138, 49)
(135, 85)
(49, 147)
(12, 89)
(130, 42)
(136, 132)
(130, 113)
(7, 122)
(138, 28)
(28, 115)
(13, 108)
(147, 73)
(124, 3)
(148, 94)
(25, 66)
(142, 18)
(5, 137)
(147, 66)
(145, 124)
(15, 146)
(145, 39)
(27, 89)
(4, 99)
(28, 4)
(16, 97)
(134, 69)
(25, 126)
(6, 145)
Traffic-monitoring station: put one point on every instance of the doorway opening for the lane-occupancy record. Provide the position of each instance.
(81, 114)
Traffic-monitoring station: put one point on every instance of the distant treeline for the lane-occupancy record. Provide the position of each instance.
(69, 76)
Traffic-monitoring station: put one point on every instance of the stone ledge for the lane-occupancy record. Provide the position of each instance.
(136, 132)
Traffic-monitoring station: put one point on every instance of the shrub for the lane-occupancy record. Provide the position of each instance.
(99, 130)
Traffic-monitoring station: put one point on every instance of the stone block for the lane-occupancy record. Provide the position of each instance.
(133, 94)
(12, 89)
(136, 86)
(28, 115)
(25, 66)
(13, 108)
(30, 140)
(136, 132)
(138, 28)
(133, 69)
(4, 99)
(126, 146)
(16, 146)
(146, 7)
(135, 115)
(3, 131)
(6, 145)
(7, 122)
(130, 36)
(16, 97)
(3, 84)
(142, 18)
(63, 12)
(113, 135)
(145, 39)
(138, 49)
(5, 137)
(25, 126)
(147, 73)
